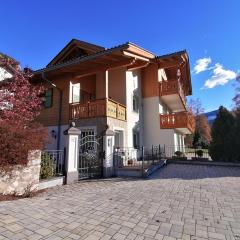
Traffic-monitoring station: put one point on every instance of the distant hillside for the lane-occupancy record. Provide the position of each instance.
(211, 116)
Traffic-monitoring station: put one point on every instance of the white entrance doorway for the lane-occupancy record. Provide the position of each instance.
(118, 139)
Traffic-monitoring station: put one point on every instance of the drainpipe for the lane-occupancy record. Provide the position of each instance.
(59, 109)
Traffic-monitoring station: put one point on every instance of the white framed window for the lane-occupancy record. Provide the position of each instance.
(76, 93)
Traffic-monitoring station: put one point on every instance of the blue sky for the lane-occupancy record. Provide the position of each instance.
(35, 31)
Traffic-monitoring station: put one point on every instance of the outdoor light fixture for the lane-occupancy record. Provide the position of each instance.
(54, 134)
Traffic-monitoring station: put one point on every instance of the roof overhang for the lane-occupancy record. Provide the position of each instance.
(125, 55)
(177, 60)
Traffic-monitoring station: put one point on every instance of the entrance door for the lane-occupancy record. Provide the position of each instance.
(118, 139)
(90, 155)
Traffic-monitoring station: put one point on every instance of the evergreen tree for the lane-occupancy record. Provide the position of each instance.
(236, 137)
(196, 139)
(222, 144)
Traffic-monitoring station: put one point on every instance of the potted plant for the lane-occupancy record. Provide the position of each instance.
(199, 155)
(179, 155)
(130, 162)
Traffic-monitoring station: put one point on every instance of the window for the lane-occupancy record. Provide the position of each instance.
(76, 93)
(136, 142)
(48, 98)
(118, 139)
(135, 103)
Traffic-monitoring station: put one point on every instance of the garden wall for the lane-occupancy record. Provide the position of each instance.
(22, 178)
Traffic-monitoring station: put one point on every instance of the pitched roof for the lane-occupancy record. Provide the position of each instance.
(92, 48)
(172, 54)
(98, 52)
(82, 58)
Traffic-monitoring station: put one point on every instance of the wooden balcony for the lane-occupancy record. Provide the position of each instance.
(172, 94)
(182, 121)
(97, 108)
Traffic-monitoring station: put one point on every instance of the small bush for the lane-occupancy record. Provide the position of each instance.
(199, 153)
(46, 166)
(29, 191)
(16, 141)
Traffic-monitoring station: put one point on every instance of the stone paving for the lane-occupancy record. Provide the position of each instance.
(177, 202)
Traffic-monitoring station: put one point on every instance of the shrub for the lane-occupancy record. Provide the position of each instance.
(46, 170)
(16, 141)
(199, 153)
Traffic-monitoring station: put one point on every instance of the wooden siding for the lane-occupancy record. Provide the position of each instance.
(150, 86)
(49, 116)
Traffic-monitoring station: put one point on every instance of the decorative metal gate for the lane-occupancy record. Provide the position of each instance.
(90, 155)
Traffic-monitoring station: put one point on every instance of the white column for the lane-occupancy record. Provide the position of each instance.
(108, 144)
(106, 83)
(72, 135)
(72, 153)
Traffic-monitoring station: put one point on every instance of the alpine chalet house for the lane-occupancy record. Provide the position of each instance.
(138, 96)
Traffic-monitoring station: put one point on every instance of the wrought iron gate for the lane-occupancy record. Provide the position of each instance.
(90, 156)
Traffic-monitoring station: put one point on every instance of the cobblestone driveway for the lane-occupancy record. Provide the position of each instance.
(178, 202)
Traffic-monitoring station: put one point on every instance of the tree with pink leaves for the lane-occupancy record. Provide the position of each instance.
(20, 104)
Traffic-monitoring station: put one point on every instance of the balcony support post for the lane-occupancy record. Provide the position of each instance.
(102, 85)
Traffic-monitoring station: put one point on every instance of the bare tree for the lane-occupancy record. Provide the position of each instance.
(236, 98)
(203, 131)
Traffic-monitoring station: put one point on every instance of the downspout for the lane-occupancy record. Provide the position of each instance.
(59, 109)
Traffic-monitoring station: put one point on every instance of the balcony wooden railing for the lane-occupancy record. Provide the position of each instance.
(97, 108)
(172, 87)
(178, 120)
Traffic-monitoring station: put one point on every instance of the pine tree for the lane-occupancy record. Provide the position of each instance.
(222, 144)
(236, 136)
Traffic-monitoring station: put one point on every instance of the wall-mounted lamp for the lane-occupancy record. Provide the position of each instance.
(54, 134)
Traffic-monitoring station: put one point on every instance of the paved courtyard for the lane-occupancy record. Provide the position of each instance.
(178, 202)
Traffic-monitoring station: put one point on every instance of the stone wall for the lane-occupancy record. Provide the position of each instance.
(22, 178)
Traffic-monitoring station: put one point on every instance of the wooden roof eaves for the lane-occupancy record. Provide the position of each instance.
(82, 59)
(72, 42)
